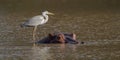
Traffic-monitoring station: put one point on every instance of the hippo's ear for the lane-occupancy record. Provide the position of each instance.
(73, 36)
(50, 34)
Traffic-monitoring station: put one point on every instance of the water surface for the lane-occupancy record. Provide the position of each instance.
(94, 22)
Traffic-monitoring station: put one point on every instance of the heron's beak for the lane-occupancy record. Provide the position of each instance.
(51, 13)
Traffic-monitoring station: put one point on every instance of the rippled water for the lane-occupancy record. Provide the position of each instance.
(91, 51)
(98, 28)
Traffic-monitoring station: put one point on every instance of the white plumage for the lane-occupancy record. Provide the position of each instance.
(37, 20)
(34, 21)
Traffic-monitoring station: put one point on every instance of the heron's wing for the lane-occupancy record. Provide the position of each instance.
(34, 21)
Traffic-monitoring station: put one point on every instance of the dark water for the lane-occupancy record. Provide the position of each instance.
(95, 22)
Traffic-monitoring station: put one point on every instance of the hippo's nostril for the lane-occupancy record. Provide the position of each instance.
(58, 37)
(82, 42)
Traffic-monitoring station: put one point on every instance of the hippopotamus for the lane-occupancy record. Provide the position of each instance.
(62, 38)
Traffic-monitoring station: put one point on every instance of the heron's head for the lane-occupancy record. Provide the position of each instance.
(48, 13)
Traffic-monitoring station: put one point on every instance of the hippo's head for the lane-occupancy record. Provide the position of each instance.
(56, 38)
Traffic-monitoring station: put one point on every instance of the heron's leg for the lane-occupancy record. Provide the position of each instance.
(34, 33)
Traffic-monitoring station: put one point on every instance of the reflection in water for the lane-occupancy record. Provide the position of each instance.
(52, 51)
(62, 51)
(40, 53)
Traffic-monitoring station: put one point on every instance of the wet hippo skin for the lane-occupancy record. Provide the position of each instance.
(62, 38)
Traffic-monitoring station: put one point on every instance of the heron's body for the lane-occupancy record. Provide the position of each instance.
(37, 20)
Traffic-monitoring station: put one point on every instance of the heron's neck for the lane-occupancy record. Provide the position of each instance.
(45, 17)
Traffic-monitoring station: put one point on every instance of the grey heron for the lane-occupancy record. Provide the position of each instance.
(37, 20)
